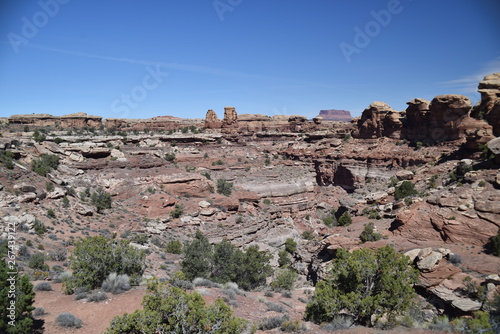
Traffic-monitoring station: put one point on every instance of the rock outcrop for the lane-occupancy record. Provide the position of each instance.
(489, 107)
(380, 120)
(335, 115)
(212, 121)
(230, 118)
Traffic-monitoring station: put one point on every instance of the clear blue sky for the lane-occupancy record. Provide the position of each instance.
(140, 59)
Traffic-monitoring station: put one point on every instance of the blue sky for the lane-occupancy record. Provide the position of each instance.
(140, 59)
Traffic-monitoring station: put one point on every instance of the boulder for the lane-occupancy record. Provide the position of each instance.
(27, 197)
(57, 193)
(404, 175)
(25, 188)
(428, 261)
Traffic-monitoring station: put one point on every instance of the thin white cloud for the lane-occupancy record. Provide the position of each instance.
(468, 84)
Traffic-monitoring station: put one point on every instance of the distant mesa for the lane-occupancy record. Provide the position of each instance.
(335, 115)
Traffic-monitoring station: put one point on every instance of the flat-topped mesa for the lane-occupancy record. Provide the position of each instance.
(76, 120)
(335, 115)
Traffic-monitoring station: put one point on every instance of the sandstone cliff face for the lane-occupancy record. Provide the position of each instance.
(380, 120)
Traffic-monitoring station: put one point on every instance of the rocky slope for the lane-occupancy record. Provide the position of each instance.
(288, 175)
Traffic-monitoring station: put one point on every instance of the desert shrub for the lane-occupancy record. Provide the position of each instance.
(65, 202)
(169, 309)
(81, 295)
(224, 262)
(94, 258)
(272, 322)
(97, 297)
(292, 326)
(345, 219)
(338, 322)
(406, 189)
(59, 254)
(170, 157)
(101, 199)
(179, 281)
(224, 187)
(369, 233)
(494, 244)
(37, 261)
(177, 212)
(49, 186)
(39, 227)
(283, 259)
(51, 213)
(290, 246)
(200, 281)
(44, 164)
(39, 136)
(24, 298)
(275, 307)
(39, 311)
(330, 221)
(364, 283)
(43, 286)
(284, 280)
(307, 235)
(6, 159)
(218, 163)
(140, 238)
(454, 258)
(174, 247)
(68, 320)
(116, 284)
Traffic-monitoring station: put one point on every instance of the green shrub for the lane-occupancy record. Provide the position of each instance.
(177, 212)
(369, 233)
(224, 262)
(44, 164)
(39, 136)
(290, 245)
(224, 187)
(94, 258)
(168, 309)
(345, 219)
(101, 200)
(37, 261)
(170, 157)
(21, 321)
(283, 259)
(330, 221)
(404, 190)
(49, 186)
(174, 247)
(39, 228)
(284, 280)
(218, 163)
(307, 235)
(364, 283)
(6, 158)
